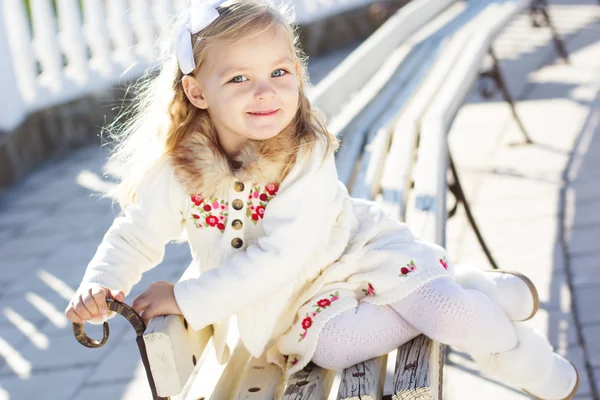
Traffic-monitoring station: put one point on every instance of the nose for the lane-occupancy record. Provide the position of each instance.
(264, 91)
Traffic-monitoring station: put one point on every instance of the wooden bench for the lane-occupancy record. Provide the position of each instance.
(404, 86)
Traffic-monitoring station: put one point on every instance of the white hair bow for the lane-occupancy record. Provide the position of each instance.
(199, 16)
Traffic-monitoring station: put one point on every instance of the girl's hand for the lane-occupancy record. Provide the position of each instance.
(90, 302)
(158, 299)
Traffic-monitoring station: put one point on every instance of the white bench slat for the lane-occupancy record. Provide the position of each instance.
(439, 26)
(409, 76)
(421, 361)
(396, 172)
(426, 214)
(204, 377)
(261, 381)
(346, 79)
(462, 17)
(364, 381)
(367, 106)
(312, 382)
(173, 352)
(380, 134)
(429, 193)
(229, 382)
(436, 122)
(464, 74)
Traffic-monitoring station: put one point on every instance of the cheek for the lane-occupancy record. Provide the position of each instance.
(290, 92)
(229, 100)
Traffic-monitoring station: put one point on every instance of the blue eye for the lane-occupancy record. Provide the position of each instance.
(241, 76)
(234, 81)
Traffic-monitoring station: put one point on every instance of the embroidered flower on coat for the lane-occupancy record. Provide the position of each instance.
(444, 262)
(369, 291)
(410, 267)
(258, 199)
(322, 304)
(293, 361)
(209, 213)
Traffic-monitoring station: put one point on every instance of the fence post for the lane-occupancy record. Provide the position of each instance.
(45, 43)
(12, 106)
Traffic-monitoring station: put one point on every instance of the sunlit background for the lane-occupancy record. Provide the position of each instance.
(65, 66)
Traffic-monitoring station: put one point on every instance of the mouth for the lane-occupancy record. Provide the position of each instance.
(264, 113)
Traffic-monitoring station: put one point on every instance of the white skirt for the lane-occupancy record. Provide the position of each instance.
(382, 263)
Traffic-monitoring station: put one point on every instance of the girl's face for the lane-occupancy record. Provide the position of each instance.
(254, 75)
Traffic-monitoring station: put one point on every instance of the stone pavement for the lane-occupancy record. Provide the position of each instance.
(537, 206)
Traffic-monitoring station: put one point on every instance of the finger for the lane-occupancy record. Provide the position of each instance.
(140, 303)
(72, 315)
(90, 303)
(99, 296)
(117, 295)
(82, 311)
(149, 313)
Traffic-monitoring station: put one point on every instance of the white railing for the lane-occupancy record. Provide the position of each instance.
(48, 57)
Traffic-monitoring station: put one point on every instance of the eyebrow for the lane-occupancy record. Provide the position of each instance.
(232, 69)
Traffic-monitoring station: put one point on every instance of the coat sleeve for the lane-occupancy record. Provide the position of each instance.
(136, 240)
(293, 223)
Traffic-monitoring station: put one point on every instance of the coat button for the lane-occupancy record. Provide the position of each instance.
(238, 204)
(237, 224)
(239, 186)
(237, 243)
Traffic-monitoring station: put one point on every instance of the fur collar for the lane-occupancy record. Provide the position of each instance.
(201, 166)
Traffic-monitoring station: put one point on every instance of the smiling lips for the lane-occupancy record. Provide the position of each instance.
(263, 113)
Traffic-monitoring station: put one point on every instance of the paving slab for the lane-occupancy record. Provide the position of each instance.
(585, 270)
(587, 304)
(592, 337)
(131, 390)
(62, 352)
(121, 363)
(38, 308)
(52, 385)
(16, 270)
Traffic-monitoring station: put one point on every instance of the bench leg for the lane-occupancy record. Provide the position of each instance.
(457, 191)
(539, 15)
(494, 74)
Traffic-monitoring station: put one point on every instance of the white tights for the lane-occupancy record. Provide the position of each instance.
(442, 310)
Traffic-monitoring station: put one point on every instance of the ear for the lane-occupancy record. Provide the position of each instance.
(193, 91)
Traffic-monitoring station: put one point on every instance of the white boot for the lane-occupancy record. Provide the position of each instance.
(512, 291)
(532, 366)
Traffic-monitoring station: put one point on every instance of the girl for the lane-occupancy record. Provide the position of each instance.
(227, 152)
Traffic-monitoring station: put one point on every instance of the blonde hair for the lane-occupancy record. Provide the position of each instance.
(162, 115)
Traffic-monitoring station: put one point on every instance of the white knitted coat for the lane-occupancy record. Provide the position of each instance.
(284, 257)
